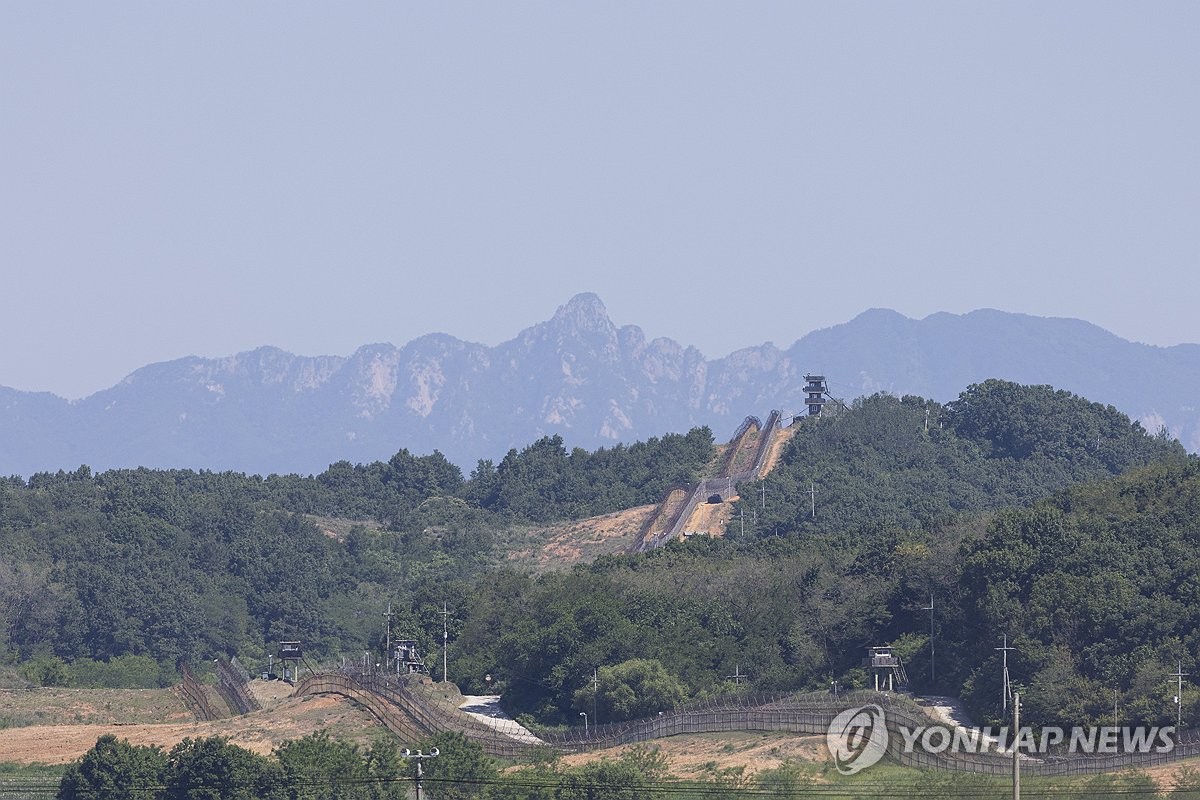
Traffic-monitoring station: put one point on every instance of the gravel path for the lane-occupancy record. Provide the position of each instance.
(486, 709)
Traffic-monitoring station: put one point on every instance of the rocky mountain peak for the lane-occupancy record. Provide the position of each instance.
(575, 374)
(584, 313)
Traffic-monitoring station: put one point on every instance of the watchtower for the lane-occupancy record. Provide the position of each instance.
(290, 653)
(408, 659)
(886, 670)
(816, 391)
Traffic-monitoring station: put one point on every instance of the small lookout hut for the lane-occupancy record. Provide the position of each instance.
(886, 670)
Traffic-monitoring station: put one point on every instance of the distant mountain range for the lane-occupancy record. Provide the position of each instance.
(577, 375)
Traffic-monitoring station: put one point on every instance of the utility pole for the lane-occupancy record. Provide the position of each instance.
(595, 693)
(1016, 748)
(929, 608)
(1116, 694)
(764, 495)
(1005, 689)
(445, 639)
(1179, 675)
(812, 491)
(737, 675)
(387, 657)
(742, 520)
(419, 756)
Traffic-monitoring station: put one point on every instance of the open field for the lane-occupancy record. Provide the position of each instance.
(157, 722)
(730, 758)
(704, 756)
(55, 706)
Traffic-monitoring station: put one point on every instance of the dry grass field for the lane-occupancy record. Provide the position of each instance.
(73, 719)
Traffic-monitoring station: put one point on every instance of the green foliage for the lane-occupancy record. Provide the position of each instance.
(460, 771)
(606, 780)
(983, 508)
(878, 470)
(115, 769)
(698, 609)
(319, 767)
(386, 771)
(543, 483)
(315, 767)
(174, 565)
(213, 769)
(1022, 423)
(631, 690)
(119, 672)
(45, 671)
(1097, 589)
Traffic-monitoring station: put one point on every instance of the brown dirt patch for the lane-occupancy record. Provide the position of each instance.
(697, 756)
(562, 545)
(715, 519)
(565, 544)
(711, 518)
(1166, 776)
(262, 731)
(339, 528)
(781, 438)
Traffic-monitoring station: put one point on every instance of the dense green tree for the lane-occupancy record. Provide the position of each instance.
(633, 689)
(387, 772)
(891, 464)
(214, 769)
(114, 769)
(317, 767)
(630, 777)
(461, 770)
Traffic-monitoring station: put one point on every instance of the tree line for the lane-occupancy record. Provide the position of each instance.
(1021, 510)
(180, 565)
(319, 768)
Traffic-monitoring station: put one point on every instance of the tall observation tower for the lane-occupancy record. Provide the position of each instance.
(816, 391)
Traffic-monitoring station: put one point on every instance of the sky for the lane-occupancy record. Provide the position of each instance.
(205, 178)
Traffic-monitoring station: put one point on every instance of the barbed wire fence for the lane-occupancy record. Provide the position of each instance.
(195, 696)
(232, 680)
(415, 711)
(716, 485)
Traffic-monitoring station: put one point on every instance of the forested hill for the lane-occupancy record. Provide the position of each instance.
(903, 463)
(177, 564)
(1095, 589)
(168, 565)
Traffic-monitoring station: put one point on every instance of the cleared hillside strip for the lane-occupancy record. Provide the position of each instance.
(744, 460)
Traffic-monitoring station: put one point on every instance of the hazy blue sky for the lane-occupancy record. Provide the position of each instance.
(203, 178)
